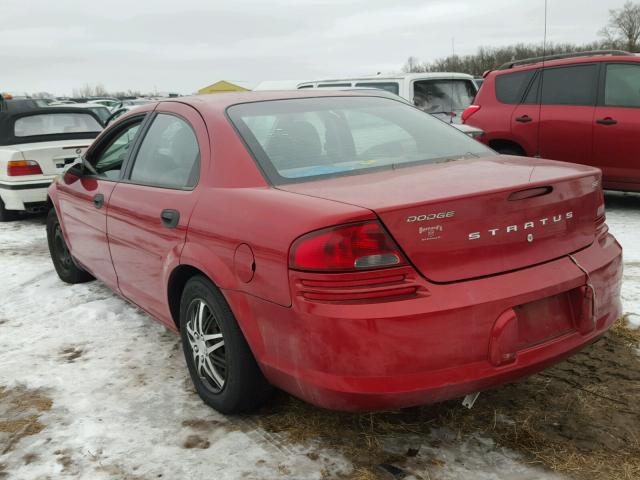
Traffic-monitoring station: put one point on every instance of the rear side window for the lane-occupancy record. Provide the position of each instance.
(388, 86)
(575, 85)
(622, 87)
(511, 86)
(169, 155)
(55, 123)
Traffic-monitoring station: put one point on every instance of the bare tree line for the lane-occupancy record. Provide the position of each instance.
(621, 33)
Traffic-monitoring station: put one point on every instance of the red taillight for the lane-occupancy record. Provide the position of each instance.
(470, 110)
(16, 168)
(600, 212)
(345, 248)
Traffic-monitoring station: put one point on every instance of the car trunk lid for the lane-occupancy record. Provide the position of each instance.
(472, 218)
(53, 157)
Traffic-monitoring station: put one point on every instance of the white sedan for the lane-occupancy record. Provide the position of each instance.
(35, 146)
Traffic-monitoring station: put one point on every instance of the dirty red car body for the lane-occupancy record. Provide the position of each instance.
(499, 289)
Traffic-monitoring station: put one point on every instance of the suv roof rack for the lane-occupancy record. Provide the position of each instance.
(590, 53)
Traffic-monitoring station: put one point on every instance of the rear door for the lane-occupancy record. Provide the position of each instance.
(568, 105)
(150, 209)
(84, 200)
(616, 140)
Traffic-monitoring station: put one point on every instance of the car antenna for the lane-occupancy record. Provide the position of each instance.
(540, 90)
(453, 59)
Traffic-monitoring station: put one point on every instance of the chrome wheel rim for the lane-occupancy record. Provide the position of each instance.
(207, 345)
(61, 248)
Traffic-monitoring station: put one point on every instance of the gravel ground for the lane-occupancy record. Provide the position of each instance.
(92, 388)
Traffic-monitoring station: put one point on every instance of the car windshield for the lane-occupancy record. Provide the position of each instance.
(55, 123)
(303, 139)
(444, 95)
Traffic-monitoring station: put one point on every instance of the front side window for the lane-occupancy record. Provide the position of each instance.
(169, 155)
(388, 86)
(304, 139)
(334, 85)
(444, 95)
(55, 123)
(575, 85)
(622, 86)
(108, 163)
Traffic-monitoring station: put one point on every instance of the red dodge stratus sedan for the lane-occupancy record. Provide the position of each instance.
(342, 246)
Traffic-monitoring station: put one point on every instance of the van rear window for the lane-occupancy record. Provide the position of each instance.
(511, 86)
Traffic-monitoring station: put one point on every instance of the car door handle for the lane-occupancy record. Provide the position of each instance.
(524, 119)
(170, 218)
(607, 121)
(98, 200)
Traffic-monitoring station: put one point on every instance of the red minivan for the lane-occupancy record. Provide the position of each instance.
(581, 108)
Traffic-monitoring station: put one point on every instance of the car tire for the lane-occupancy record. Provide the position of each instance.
(515, 151)
(63, 262)
(6, 215)
(222, 367)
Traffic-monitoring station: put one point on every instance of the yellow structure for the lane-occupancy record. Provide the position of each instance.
(222, 86)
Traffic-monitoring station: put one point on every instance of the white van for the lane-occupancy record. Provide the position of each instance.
(442, 94)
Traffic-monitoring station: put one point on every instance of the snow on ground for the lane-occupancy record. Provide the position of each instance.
(123, 406)
(623, 218)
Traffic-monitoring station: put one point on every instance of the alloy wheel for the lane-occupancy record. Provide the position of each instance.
(207, 345)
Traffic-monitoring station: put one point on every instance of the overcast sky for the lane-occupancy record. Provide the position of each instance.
(183, 45)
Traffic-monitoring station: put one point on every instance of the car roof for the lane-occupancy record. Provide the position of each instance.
(8, 119)
(216, 103)
(570, 61)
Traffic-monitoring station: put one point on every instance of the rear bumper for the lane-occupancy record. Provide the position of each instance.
(433, 347)
(24, 195)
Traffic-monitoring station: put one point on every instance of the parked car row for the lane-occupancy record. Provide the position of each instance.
(324, 241)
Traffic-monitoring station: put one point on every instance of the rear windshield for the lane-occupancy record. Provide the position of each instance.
(444, 95)
(55, 123)
(304, 139)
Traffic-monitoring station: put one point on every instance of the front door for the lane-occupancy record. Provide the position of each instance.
(149, 211)
(616, 141)
(84, 201)
(567, 107)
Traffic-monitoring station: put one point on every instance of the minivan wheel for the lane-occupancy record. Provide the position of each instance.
(63, 262)
(222, 367)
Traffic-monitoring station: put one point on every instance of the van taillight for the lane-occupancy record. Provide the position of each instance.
(345, 248)
(17, 168)
(470, 110)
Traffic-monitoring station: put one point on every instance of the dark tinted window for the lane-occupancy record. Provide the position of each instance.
(304, 139)
(533, 94)
(109, 162)
(511, 86)
(575, 85)
(305, 86)
(169, 155)
(622, 87)
(388, 86)
(334, 85)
